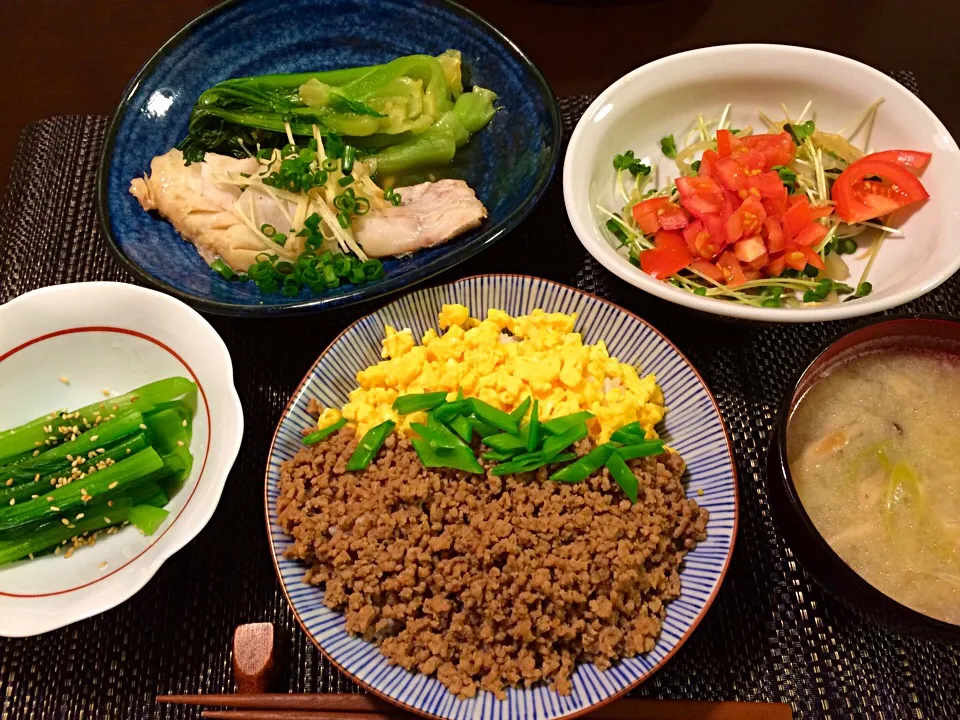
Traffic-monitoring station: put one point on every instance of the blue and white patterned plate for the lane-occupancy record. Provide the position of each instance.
(509, 163)
(692, 426)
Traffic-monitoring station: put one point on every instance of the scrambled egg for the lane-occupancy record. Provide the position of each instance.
(503, 360)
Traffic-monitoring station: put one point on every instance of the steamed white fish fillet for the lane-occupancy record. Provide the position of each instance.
(202, 208)
(431, 213)
(210, 212)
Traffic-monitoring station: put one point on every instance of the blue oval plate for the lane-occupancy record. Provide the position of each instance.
(509, 163)
(692, 426)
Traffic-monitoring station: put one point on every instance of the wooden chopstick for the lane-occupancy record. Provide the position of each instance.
(285, 706)
(330, 702)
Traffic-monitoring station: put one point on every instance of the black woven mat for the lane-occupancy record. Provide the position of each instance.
(772, 634)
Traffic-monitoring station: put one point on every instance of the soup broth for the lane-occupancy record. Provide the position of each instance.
(874, 450)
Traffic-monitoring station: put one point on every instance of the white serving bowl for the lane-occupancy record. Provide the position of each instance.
(663, 97)
(111, 336)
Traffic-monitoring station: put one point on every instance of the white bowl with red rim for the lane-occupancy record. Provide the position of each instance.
(63, 347)
(665, 96)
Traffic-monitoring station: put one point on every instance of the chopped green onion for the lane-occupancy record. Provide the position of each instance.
(222, 269)
(268, 230)
(349, 154)
(329, 165)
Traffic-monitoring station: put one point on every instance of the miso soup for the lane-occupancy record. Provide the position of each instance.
(874, 450)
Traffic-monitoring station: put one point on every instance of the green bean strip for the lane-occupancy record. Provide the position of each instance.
(370, 445)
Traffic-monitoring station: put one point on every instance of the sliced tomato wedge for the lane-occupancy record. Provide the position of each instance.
(750, 249)
(731, 269)
(672, 217)
(774, 236)
(811, 235)
(797, 217)
(645, 213)
(709, 269)
(776, 149)
(915, 160)
(860, 199)
(724, 143)
(661, 263)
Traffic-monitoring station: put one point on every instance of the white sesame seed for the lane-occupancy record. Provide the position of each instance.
(36, 452)
(13, 501)
(106, 520)
(109, 503)
(142, 426)
(102, 565)
(50, 498)
(57, 551)
(71, 526)
(112, 485)
(70, 458)
(10, 482)
(54, 508)
(180, 443)
(65, 521)
(30, 556)
(34, 497)
(101, 451)
(128, 451)
(94, 438)
(106, 393)
(184, 423)
(36, 477)
(83, 491)
(64, 379)
(79, 516)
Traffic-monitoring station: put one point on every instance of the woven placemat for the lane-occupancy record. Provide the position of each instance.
(772, 633)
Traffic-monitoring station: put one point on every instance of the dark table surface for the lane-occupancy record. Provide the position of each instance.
(58, 57)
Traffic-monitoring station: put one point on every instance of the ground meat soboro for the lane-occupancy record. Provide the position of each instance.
(488, 581)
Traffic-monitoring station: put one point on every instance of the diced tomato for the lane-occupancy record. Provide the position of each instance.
(760, 262)
(731, 201)
(708, 163)
(690, 233)
(751, 159)
(749, 249)
(776, 267)
(750, 273)
(724, 143)
(859, 199)
(776, 149)
(797, 217)
(747, 220)
(700, 195)
(734, 227)
(661, 263)
(672, 217)
(775, 207)
(795, 259)
(709, 269)
(731, 269)
(666, 240)
(711, 239)
(731, 174)
(768, 184)
(645, 213)
(809, 256)
(915, 160)
(811, 235)
(821, 211)
(774, 236)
